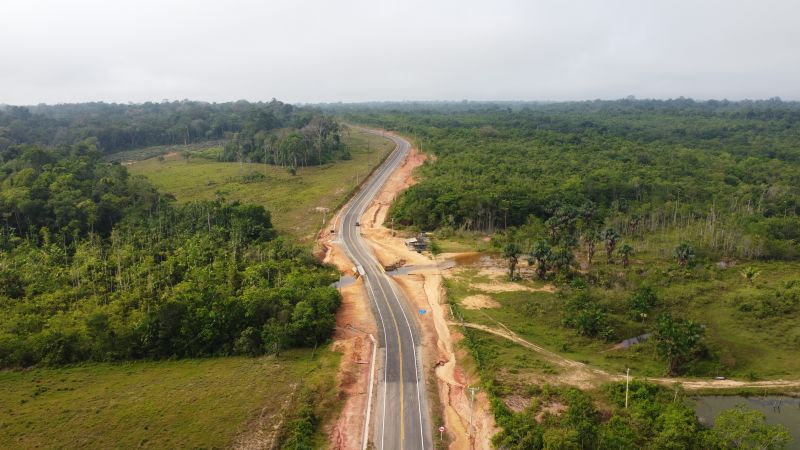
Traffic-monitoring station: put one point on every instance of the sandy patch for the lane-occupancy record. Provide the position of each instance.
(479, 302)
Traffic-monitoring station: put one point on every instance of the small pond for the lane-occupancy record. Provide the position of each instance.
(777, 409)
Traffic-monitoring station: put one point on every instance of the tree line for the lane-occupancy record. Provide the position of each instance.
(273, 132)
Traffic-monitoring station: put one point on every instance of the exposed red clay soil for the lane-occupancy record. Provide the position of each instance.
(423, 287)
(354, 322)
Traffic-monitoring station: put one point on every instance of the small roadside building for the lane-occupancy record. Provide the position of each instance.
(418, 244)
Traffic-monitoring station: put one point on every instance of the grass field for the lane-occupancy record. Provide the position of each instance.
(751, 329)
(292, 200)
(140, 154)
(202, 403)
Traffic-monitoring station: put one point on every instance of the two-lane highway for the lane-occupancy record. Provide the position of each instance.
(401, 412)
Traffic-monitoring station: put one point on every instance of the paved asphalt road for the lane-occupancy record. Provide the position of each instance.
(401, 411)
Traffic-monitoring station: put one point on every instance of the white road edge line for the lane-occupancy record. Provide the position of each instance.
(365, 437)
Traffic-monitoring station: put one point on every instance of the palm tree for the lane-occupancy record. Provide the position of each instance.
(511, 252)
(684, 253)
(562, 259)
(611, 237)
(626, 251)
(590, 238)
(541, 252)
(750, 274)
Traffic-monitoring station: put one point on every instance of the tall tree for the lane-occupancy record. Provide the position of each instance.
(511, 252)
(611, 237)
(678, 342)
(626, 251)
(541, 253)
(590, 238)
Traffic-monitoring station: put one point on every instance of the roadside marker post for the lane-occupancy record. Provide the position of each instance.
(472, 390)
(627, 382)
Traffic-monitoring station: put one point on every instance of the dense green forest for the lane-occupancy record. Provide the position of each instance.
(273, 132)
(98, 265)
(731, 167)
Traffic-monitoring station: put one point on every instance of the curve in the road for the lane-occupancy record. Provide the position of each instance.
(401, 419)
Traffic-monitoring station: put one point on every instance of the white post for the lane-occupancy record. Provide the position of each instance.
(627, 382)
(471, 409)
(365, 435)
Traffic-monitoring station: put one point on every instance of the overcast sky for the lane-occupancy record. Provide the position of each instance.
(342, 50)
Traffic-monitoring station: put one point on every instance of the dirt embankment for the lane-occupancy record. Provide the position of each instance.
(423, 288)
(354, 323)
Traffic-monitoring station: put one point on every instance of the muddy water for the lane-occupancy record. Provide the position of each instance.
(472, 259)
(777, 409)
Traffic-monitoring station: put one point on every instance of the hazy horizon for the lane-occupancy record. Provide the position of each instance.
(357, 51)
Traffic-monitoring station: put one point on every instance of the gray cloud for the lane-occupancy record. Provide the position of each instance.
(311, 51)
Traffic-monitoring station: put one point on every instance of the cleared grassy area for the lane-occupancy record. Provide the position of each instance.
(292, 200)
(202, 403)
(751, 329)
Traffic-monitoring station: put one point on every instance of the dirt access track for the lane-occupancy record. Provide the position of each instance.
(447, 381)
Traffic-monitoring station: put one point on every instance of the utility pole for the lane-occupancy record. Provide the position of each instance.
(472, 391)
(627, 382)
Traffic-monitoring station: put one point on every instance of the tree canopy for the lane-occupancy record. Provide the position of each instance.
(645, 165)
(98, 265)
